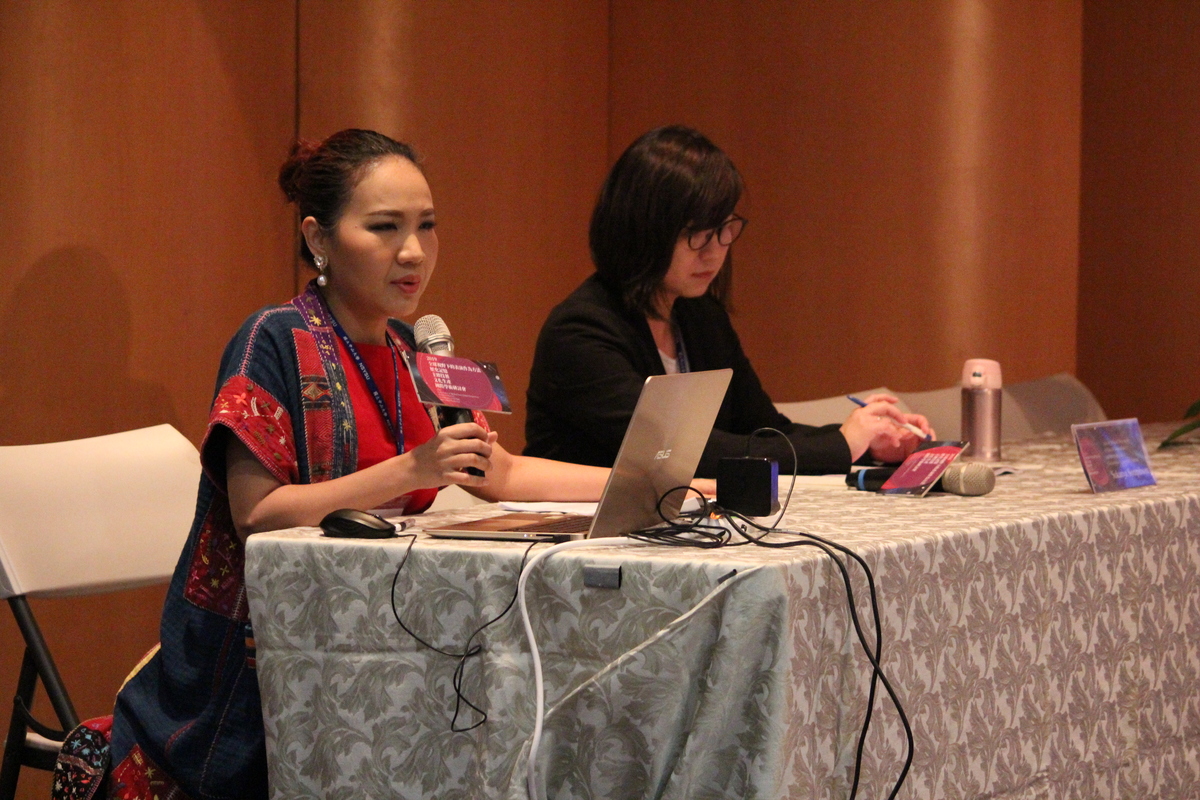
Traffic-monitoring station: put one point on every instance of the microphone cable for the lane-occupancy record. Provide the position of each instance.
(873, 655)
(699, 531)
(469, 649)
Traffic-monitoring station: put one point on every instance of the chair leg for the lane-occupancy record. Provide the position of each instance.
(14, 745)
(37, 663)
(46, 669)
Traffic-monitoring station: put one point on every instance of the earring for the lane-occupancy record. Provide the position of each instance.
(320, 262)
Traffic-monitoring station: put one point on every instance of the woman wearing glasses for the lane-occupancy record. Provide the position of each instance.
(660, 239)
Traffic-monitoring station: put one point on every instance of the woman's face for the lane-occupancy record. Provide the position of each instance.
(383, 249)
(691, 271)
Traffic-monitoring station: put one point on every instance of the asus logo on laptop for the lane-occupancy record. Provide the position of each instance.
(661, 454)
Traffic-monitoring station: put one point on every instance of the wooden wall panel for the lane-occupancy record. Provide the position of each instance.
(507, 102)
(912, 173)
(1140, 208)
(141, 224)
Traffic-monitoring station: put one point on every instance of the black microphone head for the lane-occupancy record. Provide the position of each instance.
(969, 478)
(433, 336)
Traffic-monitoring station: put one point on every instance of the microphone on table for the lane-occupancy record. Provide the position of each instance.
(434, 337)
(969, 479)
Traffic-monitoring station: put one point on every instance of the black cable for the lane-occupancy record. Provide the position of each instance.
(877, 673)
(468, 650)
(694, 533)
(795, 467)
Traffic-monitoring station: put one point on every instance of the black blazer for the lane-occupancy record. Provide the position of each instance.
(593, 356)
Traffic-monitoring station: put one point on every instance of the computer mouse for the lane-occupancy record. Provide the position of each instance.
(350, 523)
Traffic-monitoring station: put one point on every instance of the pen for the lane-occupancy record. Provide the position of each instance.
(922, 435)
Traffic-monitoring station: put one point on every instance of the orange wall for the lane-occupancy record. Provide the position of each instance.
(1140, 214)
(912, 174)
(140, 225)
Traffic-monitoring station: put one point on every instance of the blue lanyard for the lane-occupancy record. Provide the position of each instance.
(681, 359)
(397, 427)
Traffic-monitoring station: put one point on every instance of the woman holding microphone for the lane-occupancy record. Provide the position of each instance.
(661, 237)
(314, 411)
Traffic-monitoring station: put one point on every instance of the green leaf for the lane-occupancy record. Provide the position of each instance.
(1193, 410)
(1185, 429)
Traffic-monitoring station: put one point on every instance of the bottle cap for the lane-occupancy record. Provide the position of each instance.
(981, 373)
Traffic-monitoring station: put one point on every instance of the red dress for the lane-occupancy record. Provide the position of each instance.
(375, 440)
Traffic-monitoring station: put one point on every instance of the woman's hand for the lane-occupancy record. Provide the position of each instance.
(877, 427)
(444, 458)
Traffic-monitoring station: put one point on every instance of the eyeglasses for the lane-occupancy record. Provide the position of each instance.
(727, 232)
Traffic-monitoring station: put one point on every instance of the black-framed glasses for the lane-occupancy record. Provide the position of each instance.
(727, 233)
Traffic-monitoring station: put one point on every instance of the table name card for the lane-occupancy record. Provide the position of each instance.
(1113, 455)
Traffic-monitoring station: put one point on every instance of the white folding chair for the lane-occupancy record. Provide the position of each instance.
(83, 517)
(1052, 404)
(1030, 408)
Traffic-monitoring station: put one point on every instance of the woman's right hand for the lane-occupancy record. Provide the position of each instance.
(443, 459)
(876, 427)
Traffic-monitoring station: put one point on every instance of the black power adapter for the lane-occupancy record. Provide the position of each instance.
(748, 486)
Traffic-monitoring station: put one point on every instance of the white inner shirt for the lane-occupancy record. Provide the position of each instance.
(671, 365)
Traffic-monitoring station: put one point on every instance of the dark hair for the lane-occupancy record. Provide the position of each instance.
(670, 179)
(319, 177)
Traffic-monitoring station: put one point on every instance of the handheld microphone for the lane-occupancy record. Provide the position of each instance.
(433, 337)
(969, 479)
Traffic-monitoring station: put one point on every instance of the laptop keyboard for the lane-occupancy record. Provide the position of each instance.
(572, 523)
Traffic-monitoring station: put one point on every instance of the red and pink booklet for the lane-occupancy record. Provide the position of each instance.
(921, 470)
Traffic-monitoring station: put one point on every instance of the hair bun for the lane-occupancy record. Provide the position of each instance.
(293, 168)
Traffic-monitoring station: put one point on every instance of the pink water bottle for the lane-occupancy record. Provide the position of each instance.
(981, 397)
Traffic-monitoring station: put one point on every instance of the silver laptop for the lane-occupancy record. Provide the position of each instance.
(662, 446)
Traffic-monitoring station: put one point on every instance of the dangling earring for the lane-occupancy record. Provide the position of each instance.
(320, 262)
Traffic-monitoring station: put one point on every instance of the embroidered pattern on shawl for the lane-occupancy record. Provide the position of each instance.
(215, 579)
(344, 442)
(316, 398)
(82, 762)
(260, 422)
(139, 778)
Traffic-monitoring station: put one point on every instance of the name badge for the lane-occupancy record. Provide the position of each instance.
(1113, 455)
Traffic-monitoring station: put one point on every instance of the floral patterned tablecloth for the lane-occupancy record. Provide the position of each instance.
(1044, 641)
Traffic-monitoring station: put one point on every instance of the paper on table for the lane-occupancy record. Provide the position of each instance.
(826, 482)
(552, 508)
(690, 504)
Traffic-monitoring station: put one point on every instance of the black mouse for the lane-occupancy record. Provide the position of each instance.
(350, 523)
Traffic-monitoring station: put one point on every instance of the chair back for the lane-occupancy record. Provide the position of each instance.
(1028, 409)
(98, 514)
(828, 410)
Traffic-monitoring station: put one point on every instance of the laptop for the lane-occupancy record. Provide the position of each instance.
(662, 446)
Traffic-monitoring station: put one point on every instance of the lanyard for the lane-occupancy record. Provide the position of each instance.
(681, 359)
(397, 427)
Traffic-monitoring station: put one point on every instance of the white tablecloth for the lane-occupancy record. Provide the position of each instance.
(1045, 643)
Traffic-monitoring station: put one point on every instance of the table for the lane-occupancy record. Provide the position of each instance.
(1045, 643)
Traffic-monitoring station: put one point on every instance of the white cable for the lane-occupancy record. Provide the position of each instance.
(539, 689)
